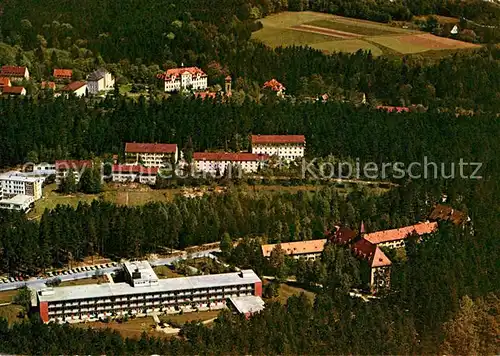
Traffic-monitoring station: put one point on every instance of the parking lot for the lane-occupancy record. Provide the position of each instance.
(10, 283)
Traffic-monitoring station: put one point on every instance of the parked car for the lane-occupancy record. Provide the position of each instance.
(114, 264)
(11, 279)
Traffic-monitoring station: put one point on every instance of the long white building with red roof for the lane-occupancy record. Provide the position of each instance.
(177, 79)
(218, 162)
(286, 147)
(151, 154)
(395, 238)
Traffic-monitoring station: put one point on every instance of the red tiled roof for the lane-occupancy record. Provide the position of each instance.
(394, 108)
(121, 168)
(343, 235)
(297, 247)
(274, 85)
(132, 147)
(13, 71)
(262, 139)
(50, 85)
(447, 213)
(13, 90)
(5, 82)
(63, 165)
(176, 72)
(63, 73)
(228, 156)
(73, 86)
(401, 233)
(371, 252)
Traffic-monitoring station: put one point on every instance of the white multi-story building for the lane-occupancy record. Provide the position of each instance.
(78, 167)
(121, 173)
(100, 80)
(151, 154)
(16, 183)
(286, 147)
(19, 202)
(144, 294)
(218, 162)
(178, 79)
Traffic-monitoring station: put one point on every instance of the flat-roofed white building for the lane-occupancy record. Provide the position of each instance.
(44, 169)
(122, 173)
(15, 183)
(177, 79)
(286, 147)
(143, 294)
(246, 305)
(19, 202)
(213, 162)
(151, 154)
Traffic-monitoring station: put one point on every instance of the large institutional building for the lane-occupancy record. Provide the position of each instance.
(151, 154)
(218, 162)
(286, 147)
(143, 294)
(177, 79)
(16, 183)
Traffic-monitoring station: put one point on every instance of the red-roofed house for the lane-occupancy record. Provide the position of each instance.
(49, 85)
(395, 238)
(5, 82)
(213, 162)
(13, 91)
(310, 249)
(151, 154)
(177, 79)
(15, 73)
(63, 166)
(287, 147)
(63, 74)
(77, 88)
(131, 173)
(379, 263)
(275, 86)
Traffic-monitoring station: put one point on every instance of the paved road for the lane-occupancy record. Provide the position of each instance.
(39, 283)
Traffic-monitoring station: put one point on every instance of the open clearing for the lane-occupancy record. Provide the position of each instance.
(140, 195)
(330, 33)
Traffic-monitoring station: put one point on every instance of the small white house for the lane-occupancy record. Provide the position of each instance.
(100, 80)
(77, 88)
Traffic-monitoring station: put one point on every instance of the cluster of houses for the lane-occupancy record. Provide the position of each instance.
(143, 161)
(368, 246)
(98, 81)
